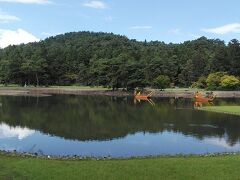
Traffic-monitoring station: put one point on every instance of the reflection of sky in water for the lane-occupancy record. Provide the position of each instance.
(221, 142)
(138, 144)
(12, 132)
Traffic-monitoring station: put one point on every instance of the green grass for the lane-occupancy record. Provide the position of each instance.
(192, 167)
(75, 87)
(10, 85)
(223, 109)
(180, 90)
(81, 87)
(2, 86)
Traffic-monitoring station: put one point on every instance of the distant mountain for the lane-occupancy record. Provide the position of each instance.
(90, 58)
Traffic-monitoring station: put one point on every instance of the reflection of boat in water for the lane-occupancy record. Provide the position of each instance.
(142, 97)
(199, 104)
(200, 97)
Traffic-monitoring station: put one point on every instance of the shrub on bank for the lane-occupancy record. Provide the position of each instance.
(218, 81)
(229, 83)
(161, 82)
(201, 83)
(214, 79)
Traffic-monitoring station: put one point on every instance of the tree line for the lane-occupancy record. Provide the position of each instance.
(105, 59)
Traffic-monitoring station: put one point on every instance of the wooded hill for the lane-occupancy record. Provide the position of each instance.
(105, 59)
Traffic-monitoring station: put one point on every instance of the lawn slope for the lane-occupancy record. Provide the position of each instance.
(192, 167)
(223, 109)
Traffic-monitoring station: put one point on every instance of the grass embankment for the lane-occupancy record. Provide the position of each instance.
(195, 167)
(15, 86)
(183, 90)
(81, 87)
(63, 87)
(223, 109)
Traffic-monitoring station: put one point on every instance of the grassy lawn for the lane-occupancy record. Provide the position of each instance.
(192, 167)
(16, 87)
(223, 109)
(81, 87)
(182, 90)
(13, 86)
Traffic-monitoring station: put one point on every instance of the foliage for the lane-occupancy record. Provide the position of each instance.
(222, 81)
(161, 82)
(229, 83)
(105, 59)
(201, 83)
(214, 80)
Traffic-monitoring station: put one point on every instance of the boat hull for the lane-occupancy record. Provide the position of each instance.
(142, 97)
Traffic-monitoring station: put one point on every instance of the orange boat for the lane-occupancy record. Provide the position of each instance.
(200, 98)
(140, 96)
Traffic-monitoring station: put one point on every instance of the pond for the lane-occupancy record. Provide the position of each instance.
(114, 126)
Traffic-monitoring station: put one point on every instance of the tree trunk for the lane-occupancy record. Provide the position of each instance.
(37, 80)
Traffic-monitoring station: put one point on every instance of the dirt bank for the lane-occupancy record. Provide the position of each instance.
(75, 91)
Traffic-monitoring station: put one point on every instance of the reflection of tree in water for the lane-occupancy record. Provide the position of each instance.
(101, 118)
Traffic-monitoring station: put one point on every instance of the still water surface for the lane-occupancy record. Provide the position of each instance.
(109, 126)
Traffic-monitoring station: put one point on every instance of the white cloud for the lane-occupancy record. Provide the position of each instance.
(6, 18)
(12, 132)
(28, 1)
(228, 28)
(141, 27)
(11, 37)
(48, 34)
(95, 4)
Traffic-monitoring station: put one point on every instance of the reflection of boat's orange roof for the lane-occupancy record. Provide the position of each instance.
(201, 98)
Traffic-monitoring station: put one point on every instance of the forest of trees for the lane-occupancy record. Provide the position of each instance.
(105, 59)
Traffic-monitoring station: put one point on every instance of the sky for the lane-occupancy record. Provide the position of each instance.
(23, 21)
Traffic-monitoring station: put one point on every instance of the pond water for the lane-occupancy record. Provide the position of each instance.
(118, 127)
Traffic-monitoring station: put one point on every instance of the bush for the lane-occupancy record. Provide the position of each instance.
(214, 79)
(161, 82)
(229, 83)
(69, 79)
(201, 83)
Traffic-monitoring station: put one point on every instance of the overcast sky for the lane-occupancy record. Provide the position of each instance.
(23, 21)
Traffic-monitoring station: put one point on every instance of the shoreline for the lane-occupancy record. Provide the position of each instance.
(21, 91)
(232, 110)
(79, 158)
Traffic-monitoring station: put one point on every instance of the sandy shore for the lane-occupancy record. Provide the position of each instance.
(74, 91)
